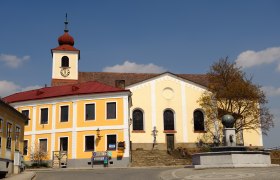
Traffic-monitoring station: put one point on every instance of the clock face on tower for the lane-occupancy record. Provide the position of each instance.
(64, 72)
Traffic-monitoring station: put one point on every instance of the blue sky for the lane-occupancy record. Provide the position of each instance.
(154, 35)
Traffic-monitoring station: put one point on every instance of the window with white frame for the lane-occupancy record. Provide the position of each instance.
(111, 142)
(25, 147)
(89, 143)
(111, 110)
(90, 111)
(44, 115)
(64, 144)
(64, 111)
(43, 145)
(17, 136)
(1, 125)
(9, 136)
(26, 113)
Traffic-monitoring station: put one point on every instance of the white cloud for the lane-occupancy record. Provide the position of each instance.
(132, 67)
(251, 58)
(8, 87)
(271, 91)
(31, 88)
(13, 61)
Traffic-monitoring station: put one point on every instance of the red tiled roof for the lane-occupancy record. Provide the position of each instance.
(91, 87)
(3, 103)
(109, 78)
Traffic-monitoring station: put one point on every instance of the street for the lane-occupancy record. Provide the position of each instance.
(102, 174)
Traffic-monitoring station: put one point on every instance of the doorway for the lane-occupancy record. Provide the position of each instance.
(170, 142)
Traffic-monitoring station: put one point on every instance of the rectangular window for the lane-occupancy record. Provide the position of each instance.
(64, 113)
(25, 147)
(0, 142)
(64, 144)
(43, 145)
(90, 111)
(26, 113)
(111, 142)
(1, 125)
(44, 115)
(17, 138)
(111, 110)
(89, 143)
(9, 136)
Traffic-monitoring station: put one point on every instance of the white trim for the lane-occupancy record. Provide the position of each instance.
(184, 112)
(126, 130)
(74, 130)
(84, 142)
(153, 98)
(106, 141)
(87, 97)
(106, 118)
(34, 111)
(53, 128)
(53, 64)
(168, 74)
(89, 120)
(78, 129)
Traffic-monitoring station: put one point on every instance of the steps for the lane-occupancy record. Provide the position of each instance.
(157, 158)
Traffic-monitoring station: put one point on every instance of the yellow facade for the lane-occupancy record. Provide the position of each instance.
(164, 92)
(14, 133)
(77, 127)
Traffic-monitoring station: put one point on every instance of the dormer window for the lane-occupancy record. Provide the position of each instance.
(64, 61)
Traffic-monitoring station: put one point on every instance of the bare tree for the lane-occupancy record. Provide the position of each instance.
(38, 154)
(231, 92)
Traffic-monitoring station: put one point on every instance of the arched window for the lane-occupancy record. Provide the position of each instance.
(198, 120)
(137, 120)
(168, 116)
(64, 61)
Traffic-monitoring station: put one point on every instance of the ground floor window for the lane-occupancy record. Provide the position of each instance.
(111, 142)
(64, 144)
(89, 143)
(43, 144)
(25, 147)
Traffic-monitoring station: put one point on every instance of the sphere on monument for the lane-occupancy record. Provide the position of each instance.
(228, 121)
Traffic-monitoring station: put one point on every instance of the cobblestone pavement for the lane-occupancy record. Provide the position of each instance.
(269, 173)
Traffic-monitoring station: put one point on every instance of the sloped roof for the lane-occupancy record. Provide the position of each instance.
(109, 78)
(90, 87)
(23, 117)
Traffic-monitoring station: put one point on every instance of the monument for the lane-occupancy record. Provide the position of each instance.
(230, 155)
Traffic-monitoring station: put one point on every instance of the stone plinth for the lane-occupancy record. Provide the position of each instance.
(230, 138)
(231, 159)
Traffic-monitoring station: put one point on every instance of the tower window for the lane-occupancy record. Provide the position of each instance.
(64, 61)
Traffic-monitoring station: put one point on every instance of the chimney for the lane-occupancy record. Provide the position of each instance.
(120, 84)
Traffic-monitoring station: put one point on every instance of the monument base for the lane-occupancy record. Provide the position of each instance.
(228, 159)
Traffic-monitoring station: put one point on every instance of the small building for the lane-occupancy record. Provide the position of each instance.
(78, 120)
(11, 138)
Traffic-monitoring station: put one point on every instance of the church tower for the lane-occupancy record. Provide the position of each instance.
(65, 59)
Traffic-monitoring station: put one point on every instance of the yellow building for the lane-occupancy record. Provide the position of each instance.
(11, 139)
(79, 119)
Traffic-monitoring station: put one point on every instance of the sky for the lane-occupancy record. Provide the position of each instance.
(143, 36)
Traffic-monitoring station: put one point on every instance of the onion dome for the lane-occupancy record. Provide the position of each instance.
(66, 39)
